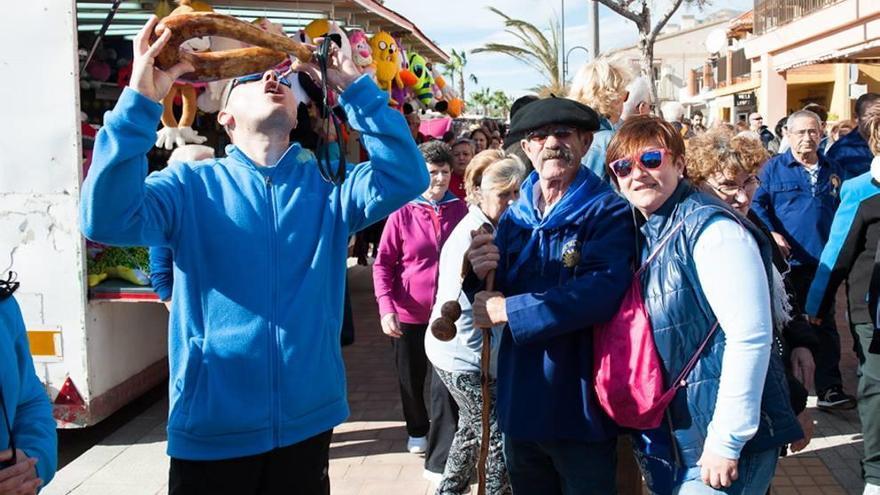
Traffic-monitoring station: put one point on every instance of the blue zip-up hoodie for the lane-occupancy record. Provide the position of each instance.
(595, 157)
(259, 269)
(561, 274)
(24, 398)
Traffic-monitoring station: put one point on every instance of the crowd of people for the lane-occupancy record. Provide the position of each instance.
(729, 239)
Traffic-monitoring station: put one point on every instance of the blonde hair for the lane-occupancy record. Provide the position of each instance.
(720, 150)
(491, 169)
(873, 130)
(601, 84)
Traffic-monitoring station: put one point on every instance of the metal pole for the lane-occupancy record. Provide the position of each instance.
(594, 25)
(562, 53)
(113, 9)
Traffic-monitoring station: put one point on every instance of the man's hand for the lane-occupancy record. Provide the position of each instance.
(782, 243)
(717, 471)
(146, 79)
(21, 478)
(391, 325)
(483, 255)
(806, 422)
(803, 367)
(490, 309)
(341, 69)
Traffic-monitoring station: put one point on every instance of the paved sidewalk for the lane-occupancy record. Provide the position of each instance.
(368, 452)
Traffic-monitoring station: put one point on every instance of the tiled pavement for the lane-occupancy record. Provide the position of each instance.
(368, 451)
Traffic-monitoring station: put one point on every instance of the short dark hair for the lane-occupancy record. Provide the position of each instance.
(865, 101)
(818, 110)
(697, 113)
(436, 152)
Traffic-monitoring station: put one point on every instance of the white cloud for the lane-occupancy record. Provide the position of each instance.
(468, 24)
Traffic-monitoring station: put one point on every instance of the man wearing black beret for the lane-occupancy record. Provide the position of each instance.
(562, 255)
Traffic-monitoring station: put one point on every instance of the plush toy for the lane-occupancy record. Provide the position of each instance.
(385, 57)
(180, 132)
(361, 52)
(131, 264)
(423, 89)
(454, 104)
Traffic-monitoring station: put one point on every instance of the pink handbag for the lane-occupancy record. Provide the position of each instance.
(627, 371)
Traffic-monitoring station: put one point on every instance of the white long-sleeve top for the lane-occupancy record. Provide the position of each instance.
(732, 276)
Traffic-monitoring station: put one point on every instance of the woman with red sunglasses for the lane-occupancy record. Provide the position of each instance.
(709, 271)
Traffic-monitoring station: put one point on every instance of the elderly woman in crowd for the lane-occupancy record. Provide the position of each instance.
(492, 181)
(709, 272)
(726, 166)
(601, 85)
(405, 281)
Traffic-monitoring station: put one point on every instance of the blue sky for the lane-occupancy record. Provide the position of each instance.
(468, 24)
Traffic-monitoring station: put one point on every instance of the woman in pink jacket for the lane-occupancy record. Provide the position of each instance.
(405, 281)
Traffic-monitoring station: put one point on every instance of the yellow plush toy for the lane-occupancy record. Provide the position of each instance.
(385, 53)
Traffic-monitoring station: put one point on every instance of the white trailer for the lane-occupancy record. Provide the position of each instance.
(101, 352)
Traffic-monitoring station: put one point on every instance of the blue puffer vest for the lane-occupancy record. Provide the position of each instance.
(681, 317)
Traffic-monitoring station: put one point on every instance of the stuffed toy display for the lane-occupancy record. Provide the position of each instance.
(131, 264)
(387, 64)
(423, 89)
(454, 104)
(361, 53)
(180, 132)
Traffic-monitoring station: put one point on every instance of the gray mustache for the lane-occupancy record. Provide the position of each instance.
(552, 154)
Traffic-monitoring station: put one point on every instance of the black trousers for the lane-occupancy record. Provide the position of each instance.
(827, 354)
(412, 368)
(298, 469)
(444, 423)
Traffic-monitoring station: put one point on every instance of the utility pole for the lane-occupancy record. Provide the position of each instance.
(594, 26)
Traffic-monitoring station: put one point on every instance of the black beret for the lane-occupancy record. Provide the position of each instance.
(553, 110)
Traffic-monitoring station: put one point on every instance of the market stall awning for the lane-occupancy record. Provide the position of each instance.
(863, 53)
(369, 15)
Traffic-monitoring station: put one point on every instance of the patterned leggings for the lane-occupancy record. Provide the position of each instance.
(464, 452)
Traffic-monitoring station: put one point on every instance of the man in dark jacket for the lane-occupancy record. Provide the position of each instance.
(796, 201)
(851, 151)
(562, 253)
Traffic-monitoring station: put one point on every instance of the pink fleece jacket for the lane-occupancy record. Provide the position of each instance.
(405, 271)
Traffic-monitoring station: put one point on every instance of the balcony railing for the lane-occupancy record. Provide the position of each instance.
(774, 13)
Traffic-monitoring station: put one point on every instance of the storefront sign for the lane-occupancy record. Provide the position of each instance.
(744, 99)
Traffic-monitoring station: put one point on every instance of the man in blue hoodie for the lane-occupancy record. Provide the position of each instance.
(259, 242)
(851, 152)
(28, 444)
(562, 253)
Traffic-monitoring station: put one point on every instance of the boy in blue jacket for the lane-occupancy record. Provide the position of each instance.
(28, 444)
(563, 253)
(259, 241)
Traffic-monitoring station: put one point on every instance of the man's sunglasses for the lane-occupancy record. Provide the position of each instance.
(650, 159)
(259, 76)
(540, 135)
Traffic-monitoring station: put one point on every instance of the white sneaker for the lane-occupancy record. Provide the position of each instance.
(417, 445)
(434, 478)
(871, 489)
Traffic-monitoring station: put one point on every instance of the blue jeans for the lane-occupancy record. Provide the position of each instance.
(561, 467)
(756, 472)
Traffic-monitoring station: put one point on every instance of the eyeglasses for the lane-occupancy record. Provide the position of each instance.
(755, 119)
(540, 135)
(650, 159)
(258, 76)
(731, 190)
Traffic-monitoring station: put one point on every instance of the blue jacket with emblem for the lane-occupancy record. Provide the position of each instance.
(788, 204)
(561, 274)
(681, 318)
(259, 269)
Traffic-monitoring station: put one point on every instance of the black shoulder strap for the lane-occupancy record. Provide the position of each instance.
(8, 286)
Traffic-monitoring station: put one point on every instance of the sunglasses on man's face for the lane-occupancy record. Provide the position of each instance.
(540, 135)
(282, 79)
(650, 159)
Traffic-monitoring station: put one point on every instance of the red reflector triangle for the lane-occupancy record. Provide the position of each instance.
(69, 395)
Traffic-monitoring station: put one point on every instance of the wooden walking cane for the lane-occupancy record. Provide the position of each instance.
(487, 398)
(444, 330)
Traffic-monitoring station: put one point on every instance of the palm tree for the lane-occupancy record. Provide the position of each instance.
(501, 102)
(456, 65)
(483, 99)
(532, 48)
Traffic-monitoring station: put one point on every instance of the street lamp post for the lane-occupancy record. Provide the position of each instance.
(562, 36)
(565, 59)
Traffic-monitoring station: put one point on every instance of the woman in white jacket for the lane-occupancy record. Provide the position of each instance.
(492, 182)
